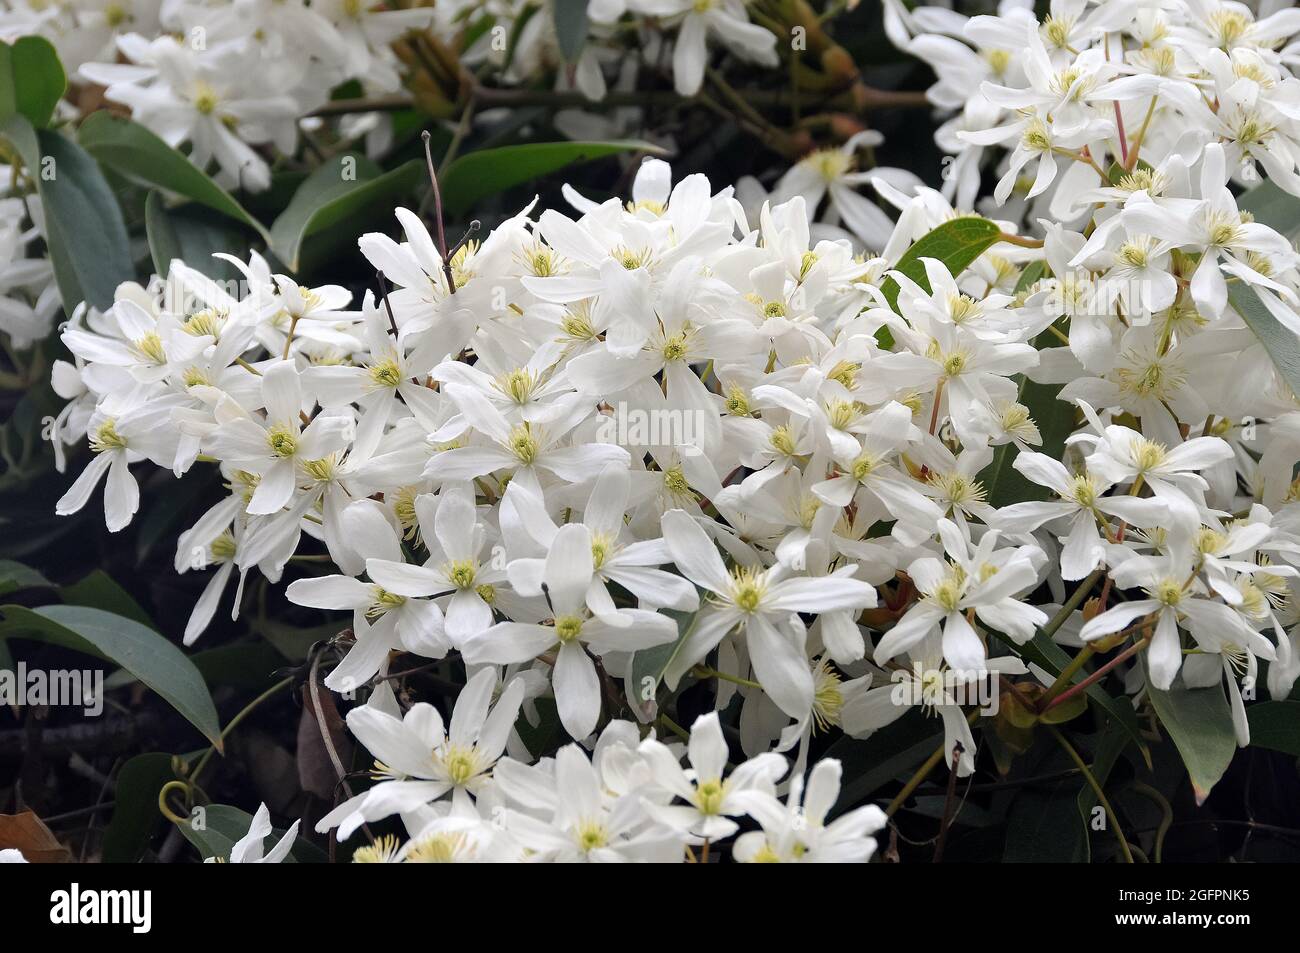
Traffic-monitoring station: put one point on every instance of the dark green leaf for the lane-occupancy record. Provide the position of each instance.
(32, 80)
(339, 191)
(138, 154)
(15, 576)
(246, 665)
(86, 236)
(488, 171)
(1043, 826)
(135, 811)
(98, 591)
(1275, 725)
(191, 235)
(141, 651)
(217, 827)
(1110, 745)
(294, 642)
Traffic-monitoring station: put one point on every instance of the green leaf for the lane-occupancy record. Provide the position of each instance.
(1043, 826)
(339, 191)
(218, 827)
(1032, 274)
(294, 642)
(477, 175)
(192, 235)
(141, 651)
(87, 239)
(570, 27)
(139, 155)
(1275, 725)
(516, 31)
(1280, 210)
(1271, 206)
(135, 810)
(246, 665)
(1003, 483)
(1199, 723)
(32, 80)
(1110, 745)
(1282, 345)
(15, 576)
(98, 591)
(956, 243)
(649, 665)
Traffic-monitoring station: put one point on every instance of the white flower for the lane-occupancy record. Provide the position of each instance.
(251, 848)
(982, 580)
(798, 831)
(712, 800)
(418, 760)
(572, 633)
(762, 604)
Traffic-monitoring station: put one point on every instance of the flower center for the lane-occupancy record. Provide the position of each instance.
(523, 444)
(461, 573)
(386, 373)
(591, 835)
(382, 602)
(460, 763)
(708, 796)
(567, 627)
(282, 441)
(107, 438)
(747, 588)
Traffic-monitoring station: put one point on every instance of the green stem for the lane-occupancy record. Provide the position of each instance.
(1096, 789)
(703, 671)
(921, 774)
(1166, 815)
(1072, 603)
(1094, 677)
(675, 728)
(234, 723)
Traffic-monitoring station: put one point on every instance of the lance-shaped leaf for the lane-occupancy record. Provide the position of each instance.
(1280, 210)
(347, 188)
(956, 243)
(488, 171)
(1275, 725)
(1282, 344)
(649, 665)
(570, 27)
(84, 230)
(1199, 723)
(140, 650)
(136, 153)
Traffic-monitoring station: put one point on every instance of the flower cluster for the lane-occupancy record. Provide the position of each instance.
(197, 72)
(462, 799)
(604, 455)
